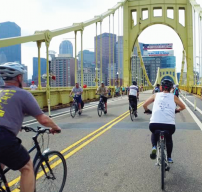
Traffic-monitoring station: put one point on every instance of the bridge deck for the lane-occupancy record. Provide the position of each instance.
(116, 158)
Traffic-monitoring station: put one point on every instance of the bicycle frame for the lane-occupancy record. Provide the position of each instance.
(37, 156)
(161, 139)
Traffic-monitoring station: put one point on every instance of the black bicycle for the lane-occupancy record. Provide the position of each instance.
(101, 106)
(74, 107)
(133, 112)
(162, 159)
(49, 167)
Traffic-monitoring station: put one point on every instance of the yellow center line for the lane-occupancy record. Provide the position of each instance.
(124, 115)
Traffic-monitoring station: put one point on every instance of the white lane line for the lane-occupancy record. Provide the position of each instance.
(69, 113)
(199, 110)
(198, 122)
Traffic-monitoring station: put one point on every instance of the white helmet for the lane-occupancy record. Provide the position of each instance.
(10, 70)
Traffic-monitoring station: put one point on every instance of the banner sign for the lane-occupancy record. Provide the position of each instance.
(157, 46)
(158, 53)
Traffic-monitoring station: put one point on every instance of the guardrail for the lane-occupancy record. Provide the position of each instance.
(194, 89)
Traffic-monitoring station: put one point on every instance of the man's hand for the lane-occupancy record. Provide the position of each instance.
(55, 130)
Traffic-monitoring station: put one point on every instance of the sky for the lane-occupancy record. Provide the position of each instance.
(38, 15)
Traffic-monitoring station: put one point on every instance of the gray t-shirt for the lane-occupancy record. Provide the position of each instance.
(76, 90)
(14, 103)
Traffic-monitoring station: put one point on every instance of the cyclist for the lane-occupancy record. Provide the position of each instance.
(176, 91)
(133, 95)
(14, 102)
(102, 90)
(163, 116)
(77, 90)
(156, 89)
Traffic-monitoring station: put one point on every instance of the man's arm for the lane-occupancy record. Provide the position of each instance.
(47, 122)
(179, 103)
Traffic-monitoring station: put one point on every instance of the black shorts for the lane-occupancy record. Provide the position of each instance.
(104, 99)
(12, 153)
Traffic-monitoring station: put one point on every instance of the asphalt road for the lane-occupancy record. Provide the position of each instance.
(116, 157)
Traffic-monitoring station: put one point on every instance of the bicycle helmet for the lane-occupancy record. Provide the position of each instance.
(10, 70)
(158, 85)
(167, 84)
(134, 83)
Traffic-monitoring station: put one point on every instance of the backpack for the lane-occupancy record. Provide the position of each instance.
(176, 92)
(156, 90)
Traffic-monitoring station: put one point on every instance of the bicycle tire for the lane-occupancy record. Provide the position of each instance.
(99, 110)
(132, 114)
(73, 110)
(49, 177)
(162, 165)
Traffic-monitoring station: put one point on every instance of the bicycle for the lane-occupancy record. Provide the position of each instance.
(45, 165)
(162, 159)
(101, 106)
(132, 111)
(74, 107)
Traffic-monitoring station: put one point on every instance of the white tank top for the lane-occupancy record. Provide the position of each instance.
(163, 109)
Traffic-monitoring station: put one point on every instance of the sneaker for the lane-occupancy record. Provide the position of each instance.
(105, 112)
(153, 153)
(170, 160)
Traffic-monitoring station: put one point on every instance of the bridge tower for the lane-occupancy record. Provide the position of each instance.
(134, 24)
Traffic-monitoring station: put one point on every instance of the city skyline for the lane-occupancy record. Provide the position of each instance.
(40, 17)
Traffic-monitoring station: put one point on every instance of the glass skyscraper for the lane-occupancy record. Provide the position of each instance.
(11, 53)
(66, 47)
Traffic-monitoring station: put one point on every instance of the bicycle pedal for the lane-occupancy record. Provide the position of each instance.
(167, 169)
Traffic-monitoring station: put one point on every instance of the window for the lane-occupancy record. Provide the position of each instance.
(134, 17)
(157, 11)
(170, 12)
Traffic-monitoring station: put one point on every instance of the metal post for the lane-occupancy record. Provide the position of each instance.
(39, 65)
(96, 77)
(109, 55)
(81, 58)
(113, 53)
(47, 80)
(76, 68)
(100, 51)
(118, 46)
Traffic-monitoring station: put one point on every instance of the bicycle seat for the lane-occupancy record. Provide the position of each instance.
(165, 132)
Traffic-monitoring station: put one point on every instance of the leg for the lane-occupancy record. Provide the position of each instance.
(154, 138)
(106, 106)
(27, 182)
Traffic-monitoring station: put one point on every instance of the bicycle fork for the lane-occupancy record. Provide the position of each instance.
(158, 163)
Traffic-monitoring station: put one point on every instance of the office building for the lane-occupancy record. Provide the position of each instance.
(88, 57)
(64, 70)
(66, 47)
(105, 51)
(11, 53)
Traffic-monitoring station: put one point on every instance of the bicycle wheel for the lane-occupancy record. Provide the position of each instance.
(51, 174)
(73, 110)
(132, 116)
(162, 165)
(99, 110)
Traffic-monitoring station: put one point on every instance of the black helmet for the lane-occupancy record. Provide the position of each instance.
(158, 85)
(134, 83)
(167, 84)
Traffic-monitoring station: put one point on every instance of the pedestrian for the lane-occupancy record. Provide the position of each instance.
(123, 91)
(33, 87)
(127, 88)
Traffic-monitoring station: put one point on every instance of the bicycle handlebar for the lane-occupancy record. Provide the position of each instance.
(40, 130)
(150, 112)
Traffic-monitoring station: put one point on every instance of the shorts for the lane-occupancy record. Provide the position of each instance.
(12, 153)
(78, 99)
(104, 99)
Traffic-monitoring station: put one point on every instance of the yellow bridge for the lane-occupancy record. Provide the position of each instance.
(133, 25)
